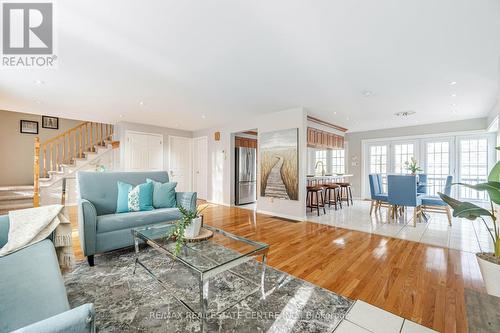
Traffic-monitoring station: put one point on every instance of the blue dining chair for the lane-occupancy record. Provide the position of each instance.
(402, 192)
(376, 192)
(433, 203)
(422, 184)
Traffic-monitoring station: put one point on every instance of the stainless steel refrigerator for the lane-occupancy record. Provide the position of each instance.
(246, 175)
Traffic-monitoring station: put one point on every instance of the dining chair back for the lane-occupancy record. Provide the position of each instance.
(402, 190)
(378, 198)
(422, 183)
(374, 186)
(434, 204)
(402, 193)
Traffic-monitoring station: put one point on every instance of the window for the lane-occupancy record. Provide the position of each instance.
(338, 161)
(473, 167)
(437, 165)
(320, 161)
(402, 153)
(378, 162)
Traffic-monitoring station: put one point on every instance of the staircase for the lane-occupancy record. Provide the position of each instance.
(15, 197)
(63, 155)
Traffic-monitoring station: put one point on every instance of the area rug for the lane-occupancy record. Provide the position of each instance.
(128, 302)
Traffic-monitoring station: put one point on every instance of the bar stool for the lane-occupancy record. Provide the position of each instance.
(319, 192)
(345, 192)
(333, 190)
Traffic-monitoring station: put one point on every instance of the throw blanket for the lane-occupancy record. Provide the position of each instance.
(32, 225)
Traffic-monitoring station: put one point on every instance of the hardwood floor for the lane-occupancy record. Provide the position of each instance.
(419, 282)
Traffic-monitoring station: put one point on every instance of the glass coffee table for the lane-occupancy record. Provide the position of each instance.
(204, 259)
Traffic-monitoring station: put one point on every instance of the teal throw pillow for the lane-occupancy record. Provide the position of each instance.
(134, 199)
(163, 194)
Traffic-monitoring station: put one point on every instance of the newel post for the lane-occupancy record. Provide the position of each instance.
(36, 173)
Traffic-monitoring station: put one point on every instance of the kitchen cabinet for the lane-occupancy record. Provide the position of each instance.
(321, 139)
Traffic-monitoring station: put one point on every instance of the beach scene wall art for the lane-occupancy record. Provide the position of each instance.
(279, 164)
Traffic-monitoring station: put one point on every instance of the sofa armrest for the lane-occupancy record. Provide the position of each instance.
(5, 227)
(4, 230)
(77, 320)
(87, 226)
(186, 200)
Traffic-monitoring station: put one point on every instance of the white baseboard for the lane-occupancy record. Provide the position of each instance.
(285, 216)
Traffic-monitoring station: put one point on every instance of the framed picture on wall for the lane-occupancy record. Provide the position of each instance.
(29, 127)
(50, 122)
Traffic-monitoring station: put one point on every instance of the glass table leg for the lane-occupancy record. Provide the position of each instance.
(136, 247)
(204, 284)
(263, 276)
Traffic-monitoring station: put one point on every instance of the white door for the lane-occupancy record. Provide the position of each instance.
(200, 161)
(180, 162)
(143, 151)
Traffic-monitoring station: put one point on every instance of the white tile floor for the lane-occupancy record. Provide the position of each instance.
(363, 318)
(465, 235)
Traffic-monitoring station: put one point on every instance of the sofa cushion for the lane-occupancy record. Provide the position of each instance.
(163, 194)
(112, 222)
(134, 199)
(32, 287)
(4, 229)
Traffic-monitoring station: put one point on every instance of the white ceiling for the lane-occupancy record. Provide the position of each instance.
(196, 64)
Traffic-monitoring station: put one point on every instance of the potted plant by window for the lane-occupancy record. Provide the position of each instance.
(412, 166)
(188, 226)
(489, 263)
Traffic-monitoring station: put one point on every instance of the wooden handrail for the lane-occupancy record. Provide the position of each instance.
(65, 147)
(36, 173)
(62, 134)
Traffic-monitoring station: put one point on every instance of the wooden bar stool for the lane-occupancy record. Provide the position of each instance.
(333, 195)
(319, 192)
(346, 192)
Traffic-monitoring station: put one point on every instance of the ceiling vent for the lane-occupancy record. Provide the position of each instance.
(404, 114)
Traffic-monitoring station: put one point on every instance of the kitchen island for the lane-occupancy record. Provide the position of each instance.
(334, 178)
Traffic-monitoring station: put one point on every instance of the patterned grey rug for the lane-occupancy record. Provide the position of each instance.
(127, 302)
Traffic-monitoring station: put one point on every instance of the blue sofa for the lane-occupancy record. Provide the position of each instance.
(100, 228)
(32, 293)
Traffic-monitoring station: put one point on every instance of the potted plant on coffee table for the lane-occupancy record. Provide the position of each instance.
(188, 226)
(489, 263)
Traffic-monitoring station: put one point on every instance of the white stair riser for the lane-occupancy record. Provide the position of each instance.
(28, 201)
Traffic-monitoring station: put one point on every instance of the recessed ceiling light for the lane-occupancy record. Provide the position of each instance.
(141, 103)
(39, 82)
(203, 116)
(367, 93)
(452, 83)
(404, 114)
(453, 95)
(121, 116)
(334, 112)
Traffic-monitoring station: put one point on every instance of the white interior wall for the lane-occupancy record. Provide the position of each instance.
(121, 129)
(221, 161)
